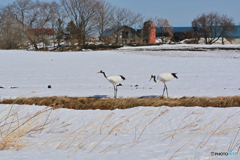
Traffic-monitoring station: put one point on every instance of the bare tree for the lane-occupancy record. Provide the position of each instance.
(72, 31)
(214, 24)
(164, 28)
(212, 27)
(228, 28)
(29, 16)
(9, 38)
(82, 13)
(48, 12)
(58, 23)
(104, 17)
(58, 31)
(119, 17)
(139, 27)
(124, 17)
(200, 26)
(132, 20)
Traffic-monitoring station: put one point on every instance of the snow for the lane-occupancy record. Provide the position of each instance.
(202, 41)
(136, 133)
(210, 73)
(177, 47)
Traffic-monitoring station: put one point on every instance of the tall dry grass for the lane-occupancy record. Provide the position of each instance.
(84, 103)
(92, 136)
(96, 134)
(14, 127)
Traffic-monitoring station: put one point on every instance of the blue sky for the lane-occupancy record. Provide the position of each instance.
(179, 13)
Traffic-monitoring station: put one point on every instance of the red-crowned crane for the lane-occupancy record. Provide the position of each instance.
(164, 77)
(114, 80)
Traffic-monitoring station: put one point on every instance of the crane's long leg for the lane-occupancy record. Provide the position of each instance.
(114, 91)
(163, 90)
(166, 90)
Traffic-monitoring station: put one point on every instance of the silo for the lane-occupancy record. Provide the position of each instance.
(149, 32)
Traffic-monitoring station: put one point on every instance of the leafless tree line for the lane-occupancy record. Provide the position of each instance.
(21, 17)
(212, 27)
(79, 18)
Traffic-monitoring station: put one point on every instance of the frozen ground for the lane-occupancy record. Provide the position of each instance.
(210, 73)
(138, 133)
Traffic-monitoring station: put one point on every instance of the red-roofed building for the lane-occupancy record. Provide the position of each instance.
(44, 33)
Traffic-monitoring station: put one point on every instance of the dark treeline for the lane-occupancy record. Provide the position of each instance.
(26, 23)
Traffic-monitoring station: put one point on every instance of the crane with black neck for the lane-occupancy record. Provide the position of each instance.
(164, 77)
(114, 80)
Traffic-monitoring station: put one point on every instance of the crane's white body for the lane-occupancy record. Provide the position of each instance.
(164, 77)
(114, 80)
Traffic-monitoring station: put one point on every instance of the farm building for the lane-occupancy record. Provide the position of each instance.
(149, 32)
(44, 33)
(180, 33)
(47, 35)
(127, 35)
(123, 35)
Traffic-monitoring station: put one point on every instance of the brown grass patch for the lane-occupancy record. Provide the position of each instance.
(84, 103)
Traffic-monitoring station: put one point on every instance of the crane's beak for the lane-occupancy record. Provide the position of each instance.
(98, 72)
(150, 79)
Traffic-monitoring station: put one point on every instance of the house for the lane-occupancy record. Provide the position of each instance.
(44, 34)
(122, 35)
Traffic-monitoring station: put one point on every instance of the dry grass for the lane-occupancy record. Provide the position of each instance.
(93, 136)
(84, 103)
(13, 128)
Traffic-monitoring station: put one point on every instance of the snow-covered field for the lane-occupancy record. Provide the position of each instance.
(210, 73)
(137, 133)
